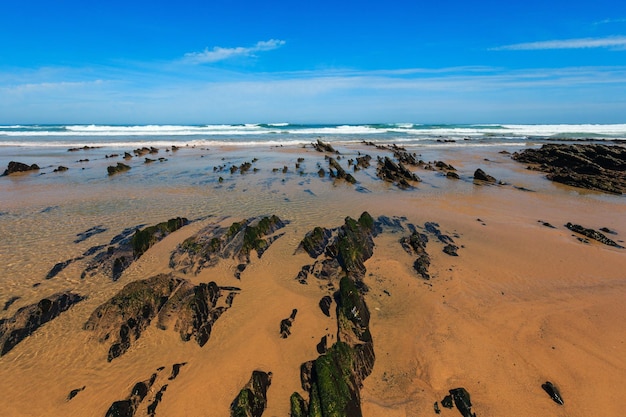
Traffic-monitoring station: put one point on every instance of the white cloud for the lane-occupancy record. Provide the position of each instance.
(614, 42)
(220, 54)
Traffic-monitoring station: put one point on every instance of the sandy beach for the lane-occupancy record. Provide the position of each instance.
(522, 303)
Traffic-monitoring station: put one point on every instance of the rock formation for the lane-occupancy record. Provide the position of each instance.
(28, 319)
(252, 399)
(14, 167)
(595, 167)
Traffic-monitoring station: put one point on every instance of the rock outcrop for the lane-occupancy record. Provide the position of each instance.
(114, 260)
(481, 175)
(394, 173)
(14, 167)
(596, 167)
(215, 242)
(116, 169)
(28, 319)
(592, 234)
(333, 380)
(252, 399)
(192, 309)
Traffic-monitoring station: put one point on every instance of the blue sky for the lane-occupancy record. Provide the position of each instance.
(144, 62)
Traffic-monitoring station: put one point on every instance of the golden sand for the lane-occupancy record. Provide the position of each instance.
(522, 303)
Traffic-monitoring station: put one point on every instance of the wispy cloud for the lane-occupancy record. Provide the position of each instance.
(220, 54)
(608, 21)
(614, 42)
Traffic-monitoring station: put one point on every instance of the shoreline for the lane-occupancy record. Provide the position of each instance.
(521, 304)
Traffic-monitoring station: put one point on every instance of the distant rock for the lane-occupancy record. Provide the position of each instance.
(28, 319)
(323, 147)
(14, 167)
(116, 169)
(481, 175)
(592, 166)
(73, 393)
(592, 234)
(397, 174)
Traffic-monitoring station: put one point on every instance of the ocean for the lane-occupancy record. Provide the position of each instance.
(276, 134)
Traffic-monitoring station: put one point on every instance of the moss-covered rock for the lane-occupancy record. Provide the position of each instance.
(252, 399)
(145, 238)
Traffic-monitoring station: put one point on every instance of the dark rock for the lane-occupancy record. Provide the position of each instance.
(155, 402)
(315, 241)
(129, 406)
(29, 318)
(214, 242)
(553, 392)
(462, 401)
(415, 244)
(481, 175)
(451, 250)
(60, 266)
(73, 393)
(121, 320)
(592, 234)
(10, 302)
(607, 230)
(452, 175)
(339, 172)
(546, 224)
(323, 147)
(325, 304)
(113, 261)
(322, 346)
(397, 174)
(175, 370)
(447, 401)
(285, 324)
(14, 167)
(115, 169)
(252, 399)
(61, 168)
(591, 166)
(145, 238)
(81, 237)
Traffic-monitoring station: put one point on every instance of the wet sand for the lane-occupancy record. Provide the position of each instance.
(520, 305)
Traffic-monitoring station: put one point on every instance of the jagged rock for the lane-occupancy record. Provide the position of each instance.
(315, 241)
(481, 175)
(591, 166)
(116, 259)
(14, 167)
(60, 266)
(175, 370)
(322, 346)
(325, 304)
(121, 320)
(462, 401)
(362, 162)
(73, 393)
(285, 324)
(115, 169)
(451, 250)
(323, 147)
(553, 392)
(81, 237)
(415, 244)
(252, 400)
(129, 406)
(214, 242)
(29, 318)
(592, 234)
(339, 172)
(155, 402)
(397, 174)
(10, 302)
